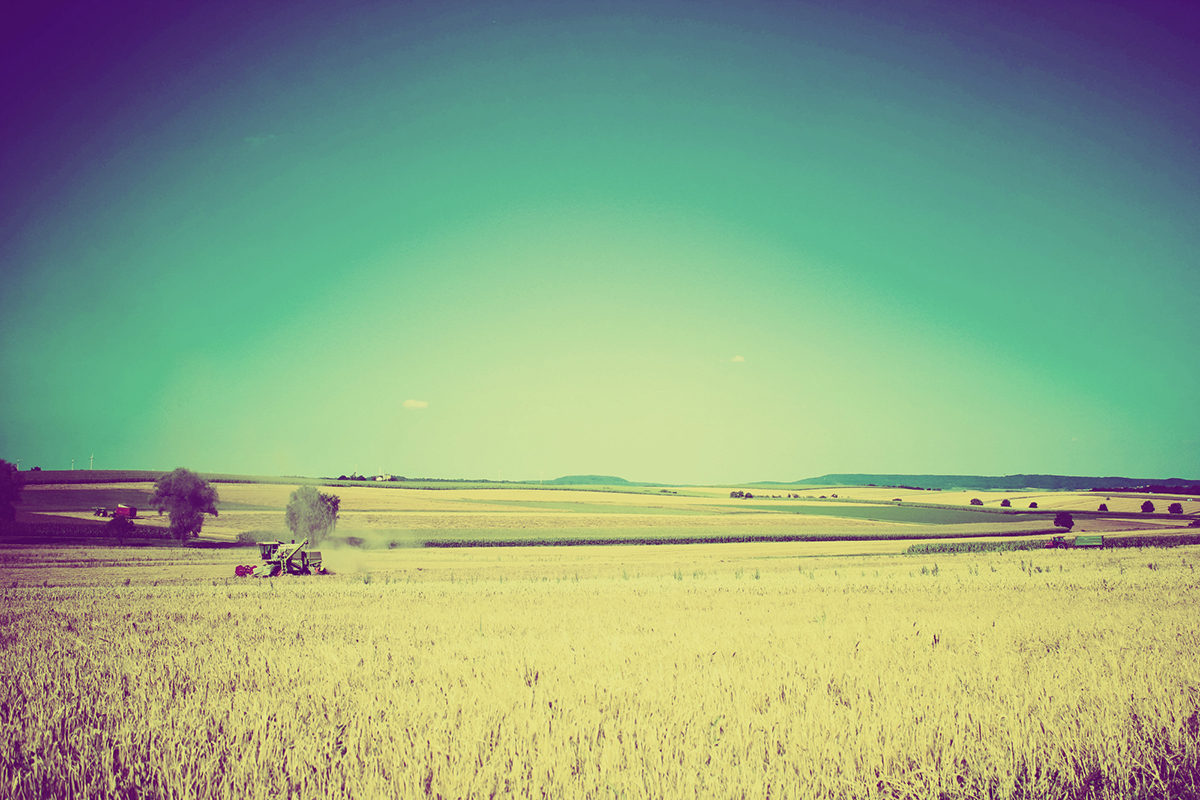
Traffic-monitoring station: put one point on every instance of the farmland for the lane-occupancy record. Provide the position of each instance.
(685, 671)
(387, 514)
(817, 661)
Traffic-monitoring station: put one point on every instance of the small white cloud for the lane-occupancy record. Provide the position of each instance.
(416, 404)
(737, 359)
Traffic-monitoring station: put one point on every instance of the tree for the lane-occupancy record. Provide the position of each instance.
(975, 501)
(186, 497)
(1006, 503)
(1175, 508)
(119, 526)
(10, 491)
(1103, 507)
(1033, 504)
(1063, 519)
(1147, 507)
(311, 514)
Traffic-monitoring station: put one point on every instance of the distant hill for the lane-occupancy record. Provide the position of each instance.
(983, 482)
(590, 480)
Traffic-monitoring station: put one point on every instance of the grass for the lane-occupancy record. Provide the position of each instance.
(661, 672)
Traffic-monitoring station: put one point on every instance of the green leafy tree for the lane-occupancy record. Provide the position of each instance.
(311, 514)
(119, 526)
(1147, 507)
(1063, 519)
(1103, 507)
(10, 491)
(1175, 508)
(1006, 503)
(975, 501)
(186, 497)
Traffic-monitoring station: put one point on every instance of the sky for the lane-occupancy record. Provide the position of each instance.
(703, 242)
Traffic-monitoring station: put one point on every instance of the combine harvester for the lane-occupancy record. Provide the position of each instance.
(283, 559)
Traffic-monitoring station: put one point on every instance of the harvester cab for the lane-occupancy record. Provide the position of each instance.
(281, 558)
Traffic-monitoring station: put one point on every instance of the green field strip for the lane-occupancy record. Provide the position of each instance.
(81, 499)
(589, 508)
(884, 513)
(44, 500)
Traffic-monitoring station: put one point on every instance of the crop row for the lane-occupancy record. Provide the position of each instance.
(1150, 540)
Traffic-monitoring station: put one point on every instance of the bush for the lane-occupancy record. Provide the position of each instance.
(975, 501)
(1033, 505)
(1103, 507)
(10, 491)
(1063, 519)
(254, 537)
(1147, 507)
(1175, 508)
(1006, 503)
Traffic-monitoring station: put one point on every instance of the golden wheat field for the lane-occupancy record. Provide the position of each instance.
(671, 671)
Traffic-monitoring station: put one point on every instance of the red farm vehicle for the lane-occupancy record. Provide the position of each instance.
(122, 510)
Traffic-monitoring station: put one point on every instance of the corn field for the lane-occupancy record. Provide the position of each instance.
(978, 676)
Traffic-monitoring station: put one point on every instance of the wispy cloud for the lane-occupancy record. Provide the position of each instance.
(737, 359)
(416, 404)
(259, 141)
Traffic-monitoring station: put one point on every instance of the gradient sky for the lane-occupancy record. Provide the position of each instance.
(679, 242)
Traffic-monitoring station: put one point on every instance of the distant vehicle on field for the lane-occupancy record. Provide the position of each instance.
(1061, 542)
(122, 510)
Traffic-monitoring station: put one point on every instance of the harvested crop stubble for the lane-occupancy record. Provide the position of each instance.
(843, 678)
